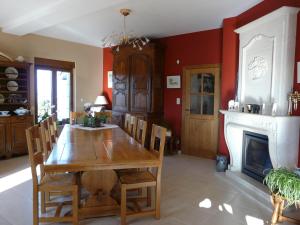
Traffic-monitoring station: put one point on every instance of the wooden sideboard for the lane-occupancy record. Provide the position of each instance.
(12, 135)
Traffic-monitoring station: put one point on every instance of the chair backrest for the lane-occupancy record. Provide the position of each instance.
(77, 117)
(46, 138)
(53, 128)
(158, 139)
(132, 126)
(107, 114)
(127, 122)
(34, 143)
(141, 130)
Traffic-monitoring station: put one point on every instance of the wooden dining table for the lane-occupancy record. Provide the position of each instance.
(97, 153)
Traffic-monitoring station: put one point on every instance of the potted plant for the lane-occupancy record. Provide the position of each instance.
(93, 121)
(284, 186)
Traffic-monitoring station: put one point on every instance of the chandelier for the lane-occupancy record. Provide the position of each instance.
(124, 38)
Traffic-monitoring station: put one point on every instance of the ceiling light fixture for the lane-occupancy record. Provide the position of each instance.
(124, 38)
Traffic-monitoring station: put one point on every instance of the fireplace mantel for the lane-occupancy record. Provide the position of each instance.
(282, 132)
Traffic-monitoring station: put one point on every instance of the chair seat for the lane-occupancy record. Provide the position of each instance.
(137, 177)
(60, 179)
(123, 172)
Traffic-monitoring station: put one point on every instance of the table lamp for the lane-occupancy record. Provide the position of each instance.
(100, 102)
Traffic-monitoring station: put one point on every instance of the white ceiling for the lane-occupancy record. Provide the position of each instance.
(88, 21)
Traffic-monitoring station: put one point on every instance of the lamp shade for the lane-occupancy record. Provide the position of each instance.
(101, 100)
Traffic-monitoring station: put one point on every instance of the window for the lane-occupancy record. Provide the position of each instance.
(53, 89)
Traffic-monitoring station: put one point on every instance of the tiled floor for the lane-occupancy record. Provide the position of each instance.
(192, 194)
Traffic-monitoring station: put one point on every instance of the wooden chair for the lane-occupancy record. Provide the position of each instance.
(46, 138)
(108, 115)
(140, 136)
(141, 130)
(142, 179)
(127, 122)
(132, 126)
(64, 183)
(53, 128)
(77, 117)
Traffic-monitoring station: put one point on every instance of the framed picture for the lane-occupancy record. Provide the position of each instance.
(173, 81)
(109, 79)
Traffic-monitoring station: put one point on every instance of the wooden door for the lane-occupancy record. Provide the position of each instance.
(140, 80)
(200, 106)
(120, 83)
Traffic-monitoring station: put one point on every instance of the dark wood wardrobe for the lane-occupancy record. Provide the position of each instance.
(138, 84)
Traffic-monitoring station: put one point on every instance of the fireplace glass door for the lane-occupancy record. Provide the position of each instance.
(256, 158)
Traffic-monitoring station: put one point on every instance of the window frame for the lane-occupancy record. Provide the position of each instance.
(53, 66)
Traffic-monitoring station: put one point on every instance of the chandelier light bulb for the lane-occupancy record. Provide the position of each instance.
(123, 37)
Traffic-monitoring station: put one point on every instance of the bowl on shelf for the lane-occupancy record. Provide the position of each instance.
(11, 72)
(12, 85)
(20, 58)
(21, 111)
(4, 113)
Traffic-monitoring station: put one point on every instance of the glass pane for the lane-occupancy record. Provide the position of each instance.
(63, 95)
(195, 104)
(44, 93)
(208, 83)
(208, 105)
(196, 80)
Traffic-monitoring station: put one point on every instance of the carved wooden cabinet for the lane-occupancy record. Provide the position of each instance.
(12, 135)
(138, 83)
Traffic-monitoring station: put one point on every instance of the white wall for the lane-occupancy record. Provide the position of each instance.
(88, 77)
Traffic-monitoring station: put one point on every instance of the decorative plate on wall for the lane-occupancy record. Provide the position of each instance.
(12, 86)
(11, 72)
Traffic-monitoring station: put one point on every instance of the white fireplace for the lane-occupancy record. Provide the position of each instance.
(266, 72)
(282, 133)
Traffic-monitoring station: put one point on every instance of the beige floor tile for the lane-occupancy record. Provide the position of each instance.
(186, 182)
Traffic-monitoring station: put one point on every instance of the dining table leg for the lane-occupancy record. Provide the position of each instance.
(99, 202)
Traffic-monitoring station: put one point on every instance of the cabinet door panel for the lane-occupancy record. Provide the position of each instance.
(2, 139)
(120, 84)
(140, 80)
(18, 138)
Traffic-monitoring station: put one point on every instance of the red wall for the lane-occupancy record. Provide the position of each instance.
(107, 66)
(230, 54)
(229, 73)
(191, 49)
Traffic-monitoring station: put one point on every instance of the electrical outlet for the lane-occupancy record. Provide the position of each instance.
(178, 101)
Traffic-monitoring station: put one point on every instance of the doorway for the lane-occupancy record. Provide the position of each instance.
(200, 109)
(53, 90)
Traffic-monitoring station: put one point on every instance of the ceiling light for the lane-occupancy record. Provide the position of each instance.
(124, 38)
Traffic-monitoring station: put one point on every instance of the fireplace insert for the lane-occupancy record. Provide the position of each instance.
(256, 161)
